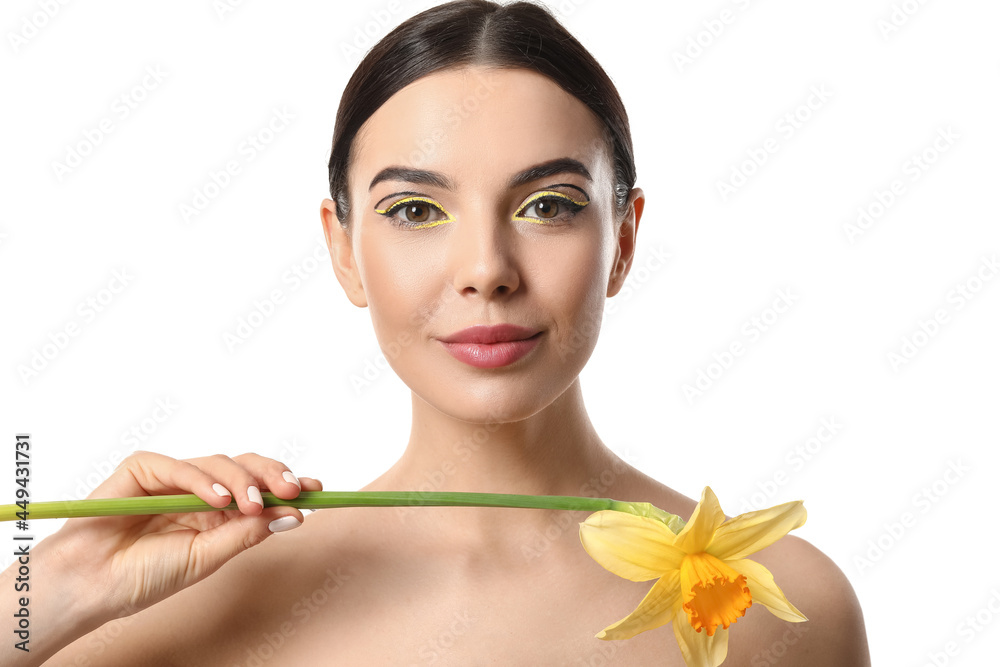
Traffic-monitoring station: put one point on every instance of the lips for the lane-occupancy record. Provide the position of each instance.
(491, 346)
(500, 333)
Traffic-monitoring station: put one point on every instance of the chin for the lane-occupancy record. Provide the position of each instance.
(512, 402)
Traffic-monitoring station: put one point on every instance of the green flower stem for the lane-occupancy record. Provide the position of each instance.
(324, 499)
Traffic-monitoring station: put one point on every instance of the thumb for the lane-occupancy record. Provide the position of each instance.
(212, 548)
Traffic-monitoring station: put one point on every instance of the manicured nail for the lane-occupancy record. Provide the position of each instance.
(283, 524)
(289, 477)
(221, 490)
(253, 493)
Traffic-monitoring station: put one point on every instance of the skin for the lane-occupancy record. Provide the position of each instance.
(449, 586)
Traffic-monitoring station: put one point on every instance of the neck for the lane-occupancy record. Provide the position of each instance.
(553, 452)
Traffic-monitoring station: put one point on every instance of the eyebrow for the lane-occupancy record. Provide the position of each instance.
(560, 165)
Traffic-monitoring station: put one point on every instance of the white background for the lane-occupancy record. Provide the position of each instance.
(920, 564)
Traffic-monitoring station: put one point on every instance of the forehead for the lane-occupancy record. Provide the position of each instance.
(479, 125)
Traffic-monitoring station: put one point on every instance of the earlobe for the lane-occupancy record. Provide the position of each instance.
(625, 240)
(342, 254)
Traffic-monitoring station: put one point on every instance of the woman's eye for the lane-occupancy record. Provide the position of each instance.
(415, 213)
(545, 208)
(549, 207)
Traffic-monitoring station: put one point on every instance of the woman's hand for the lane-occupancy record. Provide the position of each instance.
(123, 564)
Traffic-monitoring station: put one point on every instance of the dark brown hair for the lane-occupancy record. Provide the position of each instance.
(520, 35)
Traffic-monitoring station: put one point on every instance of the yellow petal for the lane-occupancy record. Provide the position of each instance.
(748, 533)
(698, 649)
(704, 521)
(764, 591)
(658, 608)
(634, 547)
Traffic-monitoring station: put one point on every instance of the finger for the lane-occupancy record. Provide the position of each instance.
(311, 484)
(274, 475)
(244, 483)
(212, 548)
(149, 473)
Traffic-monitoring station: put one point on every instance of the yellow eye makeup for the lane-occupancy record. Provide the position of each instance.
(546, 204)
(419, 212)
(542, 208)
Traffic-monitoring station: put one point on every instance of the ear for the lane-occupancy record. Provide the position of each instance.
(342, 254)
(625, 241)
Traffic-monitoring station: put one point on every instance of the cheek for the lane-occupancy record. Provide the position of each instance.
(571, 277)
(403, 293)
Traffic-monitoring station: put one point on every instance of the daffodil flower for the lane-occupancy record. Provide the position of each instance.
(704, 578)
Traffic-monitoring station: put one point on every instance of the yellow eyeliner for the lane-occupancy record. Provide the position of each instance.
(422, 200)
(545, 193)
(451, 218)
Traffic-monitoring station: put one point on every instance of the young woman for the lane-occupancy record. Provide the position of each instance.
(483, 208)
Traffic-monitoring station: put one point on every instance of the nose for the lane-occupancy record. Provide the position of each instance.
(483, 257)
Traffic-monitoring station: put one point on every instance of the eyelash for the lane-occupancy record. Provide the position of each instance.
(558, 198)
(409, 201)
(571, 204)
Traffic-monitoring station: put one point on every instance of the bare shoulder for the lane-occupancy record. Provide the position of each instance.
(834, 635)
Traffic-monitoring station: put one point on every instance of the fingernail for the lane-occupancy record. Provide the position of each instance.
(221, 490)
(289, 477)
(283, 524)
(254, 494)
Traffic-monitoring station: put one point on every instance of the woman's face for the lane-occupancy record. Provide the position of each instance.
(480, 198)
